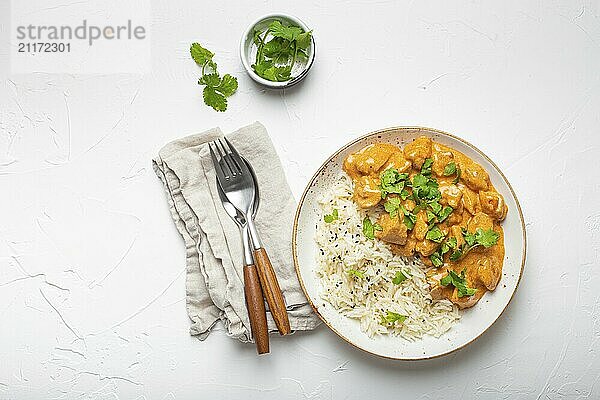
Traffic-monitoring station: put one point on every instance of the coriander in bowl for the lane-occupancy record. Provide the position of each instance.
(277, 50)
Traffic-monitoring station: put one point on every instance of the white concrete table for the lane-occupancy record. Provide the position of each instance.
(92, 267)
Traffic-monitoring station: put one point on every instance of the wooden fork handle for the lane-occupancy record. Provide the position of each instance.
(271, 290)
(256, 309)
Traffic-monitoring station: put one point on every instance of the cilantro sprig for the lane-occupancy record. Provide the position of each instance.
(356, 273)
(369, 228)
(216, 88)
(275, 58)
(459, 282)
(393, 181)
(399, 278)
(481, 237)
(390, 317)
(329, 218)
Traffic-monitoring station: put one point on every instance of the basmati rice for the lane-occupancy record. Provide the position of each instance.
(357, 273)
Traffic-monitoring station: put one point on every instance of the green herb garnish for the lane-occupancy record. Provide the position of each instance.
(410, 219)
(276, 57)
(435, 234)
(329, 218)
(399, 278)
(444, 213)
(369, 228)
(356, 273)
(459, 282)
(391, 317)
(216, 88)
(450, 168)
(393, 181)
(458, 172)
(391, 206)
(426, 167)
(486, 238)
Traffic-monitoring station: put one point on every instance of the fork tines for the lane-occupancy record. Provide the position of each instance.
(229, 161)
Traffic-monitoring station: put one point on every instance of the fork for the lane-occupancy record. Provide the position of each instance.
(240, 187)
(252, 291)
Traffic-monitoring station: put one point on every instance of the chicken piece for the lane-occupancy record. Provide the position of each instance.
(418, 150)
(393, 230)
(492, 203)
(470, 200)
(474, 176)
(366, 192)
(426, 247)
(369, 159)
(488, 272)
(420, 228)
(480, 220)
(441, 156)
(457, 216)
(398, 162)
(451, 195)
(408, 204)
(407, 250)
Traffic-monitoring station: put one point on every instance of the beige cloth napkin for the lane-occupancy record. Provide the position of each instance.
(214, 254)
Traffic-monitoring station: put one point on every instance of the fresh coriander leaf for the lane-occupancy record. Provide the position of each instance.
(458, 172)
(435, 234)
(430, 217)
(228, 85)
(452, 242)
(392, 181)
(329, 218)
(216, 89)
(200, 54)
(399, 278)
(279, 50)
(356, 273)
(211, 80)
(459, 282)
(426, 167)
(446, 280)
(286, 32)
(410, 219)
(391, 206)
(436, 207)
(391, 317)
(456, 255)
(445, 213)
(271, 72)
(444, 248)
(214, 99)
(450, 168)
(369, 228)
(419, 180)
(486, 238)
(470, 239)
(436, 259)
(303, 41)
(404, 194)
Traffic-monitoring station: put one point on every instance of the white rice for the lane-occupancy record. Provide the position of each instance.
(343, 247)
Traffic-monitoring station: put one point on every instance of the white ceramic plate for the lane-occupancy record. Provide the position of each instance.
(474, 321)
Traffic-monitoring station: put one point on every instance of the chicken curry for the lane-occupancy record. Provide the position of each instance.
(440, 205)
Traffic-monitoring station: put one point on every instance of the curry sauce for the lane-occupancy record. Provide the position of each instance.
(441, 206)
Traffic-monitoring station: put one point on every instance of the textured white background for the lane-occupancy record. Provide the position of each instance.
(91, 266)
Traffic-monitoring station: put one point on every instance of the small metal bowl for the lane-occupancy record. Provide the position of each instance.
(248, 49)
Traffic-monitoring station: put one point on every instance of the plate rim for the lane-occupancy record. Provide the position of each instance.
(351, 143)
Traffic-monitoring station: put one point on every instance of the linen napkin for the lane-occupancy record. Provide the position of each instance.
(214, 253)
